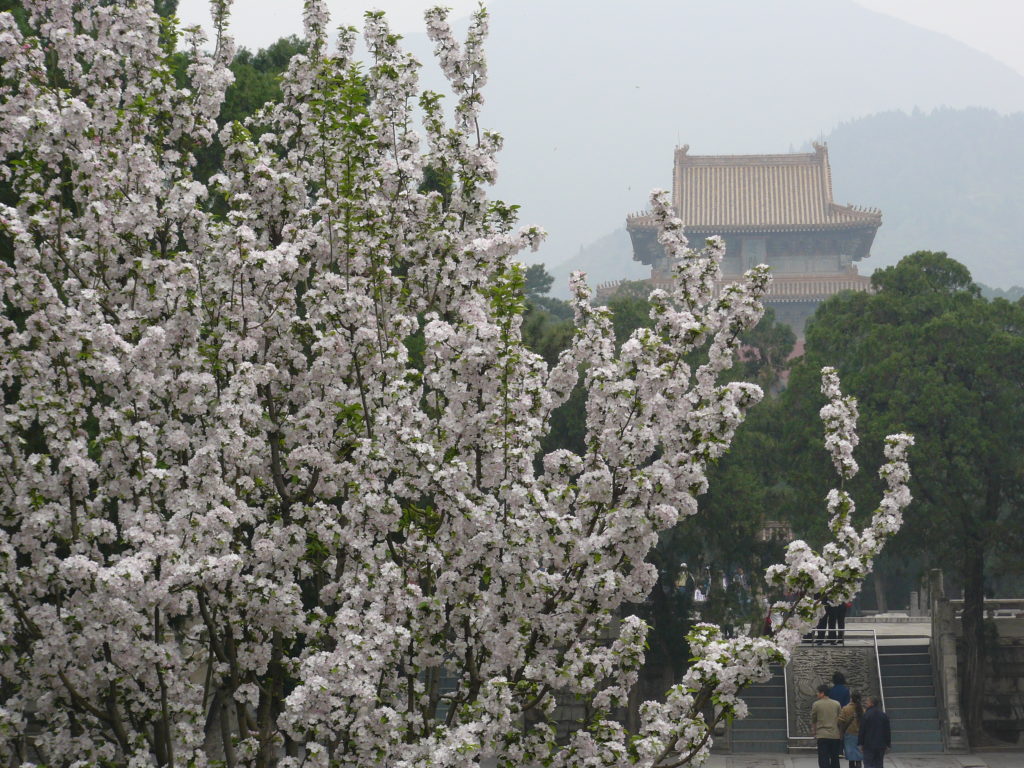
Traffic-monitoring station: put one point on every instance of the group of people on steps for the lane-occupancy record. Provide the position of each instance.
(844, 722)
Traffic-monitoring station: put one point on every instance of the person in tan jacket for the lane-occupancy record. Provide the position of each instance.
(825, 728)
(849, 725)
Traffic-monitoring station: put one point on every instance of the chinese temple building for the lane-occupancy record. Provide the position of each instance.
(770, 209)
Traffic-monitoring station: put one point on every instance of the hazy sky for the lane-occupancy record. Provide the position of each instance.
(992, 26)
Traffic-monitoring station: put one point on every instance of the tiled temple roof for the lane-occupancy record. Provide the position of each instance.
(759, 193)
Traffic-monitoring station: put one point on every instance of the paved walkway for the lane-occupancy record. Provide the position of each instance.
(892, 760)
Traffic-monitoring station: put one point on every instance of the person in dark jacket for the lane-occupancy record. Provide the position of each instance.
(874, 737)
(839, 690)
(837, 624)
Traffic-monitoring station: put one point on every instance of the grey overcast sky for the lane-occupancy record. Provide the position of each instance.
(993, 26)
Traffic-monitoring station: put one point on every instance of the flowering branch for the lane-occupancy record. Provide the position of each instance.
(271, 481)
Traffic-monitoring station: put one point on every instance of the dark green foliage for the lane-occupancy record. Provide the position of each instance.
(538, 281)
(547, 327)
(439, 180)
(927, 354)
(556, 307)
(547, 330)
(15, 8)
(630, 310)
(766, 350)
(257, 82)
(258, 77)
(165, 8)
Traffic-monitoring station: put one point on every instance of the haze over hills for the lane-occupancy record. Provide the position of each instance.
(948, 180)
(592, 103)
(952, 181)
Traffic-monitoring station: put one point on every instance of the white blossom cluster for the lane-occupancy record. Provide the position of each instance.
(840, 418)
(835, 574)
(271, 490)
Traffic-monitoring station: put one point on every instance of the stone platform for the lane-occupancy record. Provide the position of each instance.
(892, 760)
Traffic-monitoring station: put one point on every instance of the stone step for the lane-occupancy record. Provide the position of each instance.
(761, 734)
(904, 691)
(763, 697)
(758, 725)
(916, 656)
(903, 648)
(897, 703)
(908, 724)
(916, 713)
(906, 667)
(897, 681)
(917, 672)
(773, 712)
(764, 730)
(910, 747)
(762, 721)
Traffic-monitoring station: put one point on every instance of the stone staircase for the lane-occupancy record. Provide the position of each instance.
(906, 672)
(764, 729)
(910, 698)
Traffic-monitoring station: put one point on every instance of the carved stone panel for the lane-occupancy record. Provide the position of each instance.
(813, 665)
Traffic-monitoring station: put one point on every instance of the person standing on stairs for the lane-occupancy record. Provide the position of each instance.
(849, 727)
(875, 736)
(825, 728)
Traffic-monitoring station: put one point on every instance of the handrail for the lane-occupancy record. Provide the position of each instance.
(785, 695)
(994, 605)
(878, 666)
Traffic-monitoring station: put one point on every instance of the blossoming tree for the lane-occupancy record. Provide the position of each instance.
(269, 468)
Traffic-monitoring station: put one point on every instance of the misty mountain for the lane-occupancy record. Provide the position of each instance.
(949, 180)
(606, 259)
(592, 98)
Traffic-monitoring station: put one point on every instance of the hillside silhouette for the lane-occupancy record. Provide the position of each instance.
(949, 180)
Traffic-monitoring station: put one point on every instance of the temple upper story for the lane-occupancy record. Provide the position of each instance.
(770, 209)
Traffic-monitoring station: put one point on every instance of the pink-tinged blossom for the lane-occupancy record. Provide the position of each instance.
(271, 475)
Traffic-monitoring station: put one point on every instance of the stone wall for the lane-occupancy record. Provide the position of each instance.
(1004, 681)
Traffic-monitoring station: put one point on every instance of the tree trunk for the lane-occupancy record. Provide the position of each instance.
(973, 620)
(879, 584)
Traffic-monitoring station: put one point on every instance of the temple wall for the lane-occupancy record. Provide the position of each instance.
(1003, 704)
(795, 314)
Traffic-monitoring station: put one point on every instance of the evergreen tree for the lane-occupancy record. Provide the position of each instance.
(927, 353)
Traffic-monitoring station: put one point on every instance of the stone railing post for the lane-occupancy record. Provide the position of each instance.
(944, 665)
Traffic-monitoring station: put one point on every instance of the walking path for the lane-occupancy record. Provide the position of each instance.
(892, 760)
